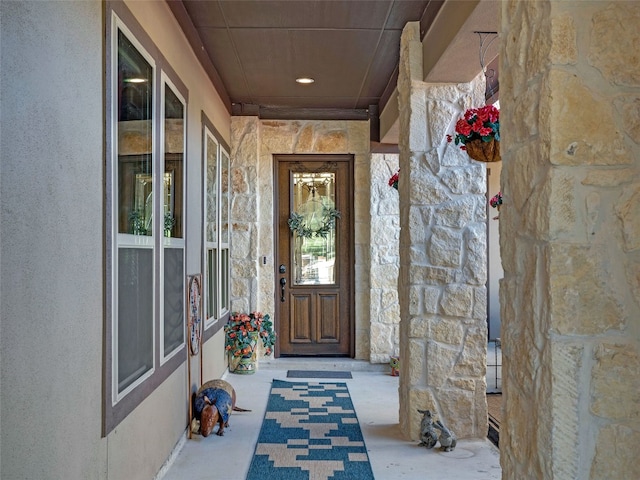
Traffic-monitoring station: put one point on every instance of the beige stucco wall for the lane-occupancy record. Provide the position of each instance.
(494, 260)
(51, 259)
(52, 245)
(570, 239)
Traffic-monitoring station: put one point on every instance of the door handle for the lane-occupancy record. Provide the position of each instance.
(283, 282)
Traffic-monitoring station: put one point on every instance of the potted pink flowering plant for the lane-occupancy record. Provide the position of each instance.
(242, 333)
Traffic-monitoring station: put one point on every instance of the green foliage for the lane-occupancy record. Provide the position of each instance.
(242, 332)
(298, 224)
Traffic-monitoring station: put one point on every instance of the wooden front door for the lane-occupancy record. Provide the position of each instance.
(314, 260)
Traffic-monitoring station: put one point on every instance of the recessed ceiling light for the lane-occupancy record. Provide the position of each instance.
(305, 80)
(135, 80)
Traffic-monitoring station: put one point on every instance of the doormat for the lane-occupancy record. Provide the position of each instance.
(318, 374)
(310, 431)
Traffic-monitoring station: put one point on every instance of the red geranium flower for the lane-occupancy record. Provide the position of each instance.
(477, 124)
(393, 181)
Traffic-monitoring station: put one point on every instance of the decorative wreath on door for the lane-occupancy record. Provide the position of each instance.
(314, 223)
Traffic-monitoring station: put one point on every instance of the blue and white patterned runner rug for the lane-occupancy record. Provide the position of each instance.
(310, 431)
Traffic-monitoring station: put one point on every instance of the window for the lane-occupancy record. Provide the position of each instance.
(145, 210)
(216, 227)
(211, 147)
(173, 329)
(134, 199)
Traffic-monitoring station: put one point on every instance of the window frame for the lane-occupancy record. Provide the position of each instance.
(214, 323)
(126, 240)
(118, 405)
(172, 242)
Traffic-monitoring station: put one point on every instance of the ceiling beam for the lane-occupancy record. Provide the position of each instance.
(295, 113)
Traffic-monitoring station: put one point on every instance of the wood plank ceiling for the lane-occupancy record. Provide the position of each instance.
(253, 50)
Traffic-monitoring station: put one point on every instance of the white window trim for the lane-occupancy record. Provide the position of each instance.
(208, 245)
(220, 310)
(224, 309)
(126, 240)
(172, 242)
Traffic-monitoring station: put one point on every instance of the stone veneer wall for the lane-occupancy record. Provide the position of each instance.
(443, 254)
(385, 259)
(570, 239)
(253, 144)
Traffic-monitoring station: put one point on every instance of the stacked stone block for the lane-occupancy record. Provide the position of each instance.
(443, 254)
(254, 143)
(570, 239)
(385, 259)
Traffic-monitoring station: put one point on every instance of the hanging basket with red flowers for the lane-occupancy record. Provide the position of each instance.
(478, 133)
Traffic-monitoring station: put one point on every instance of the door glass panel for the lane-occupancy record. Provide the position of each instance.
(314, 245)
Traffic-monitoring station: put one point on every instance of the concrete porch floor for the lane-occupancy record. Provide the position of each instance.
(375, 397)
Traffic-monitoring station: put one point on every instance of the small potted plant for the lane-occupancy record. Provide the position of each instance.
(242, 333)
(479, 133)
(136, 221)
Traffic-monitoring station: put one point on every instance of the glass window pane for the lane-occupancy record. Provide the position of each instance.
(135, 314)
(173, 299)
(212, 284)
(224, 278)
(224, 198)
(173, 163)
(172, 201)
(211, 189)
(314, 245)
(135, 140)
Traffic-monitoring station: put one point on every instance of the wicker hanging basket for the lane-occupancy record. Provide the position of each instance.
(484, 151)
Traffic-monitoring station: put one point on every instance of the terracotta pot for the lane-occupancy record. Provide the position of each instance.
(484, 151)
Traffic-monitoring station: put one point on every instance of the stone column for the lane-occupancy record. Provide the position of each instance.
(570, 239)
(442, 293)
